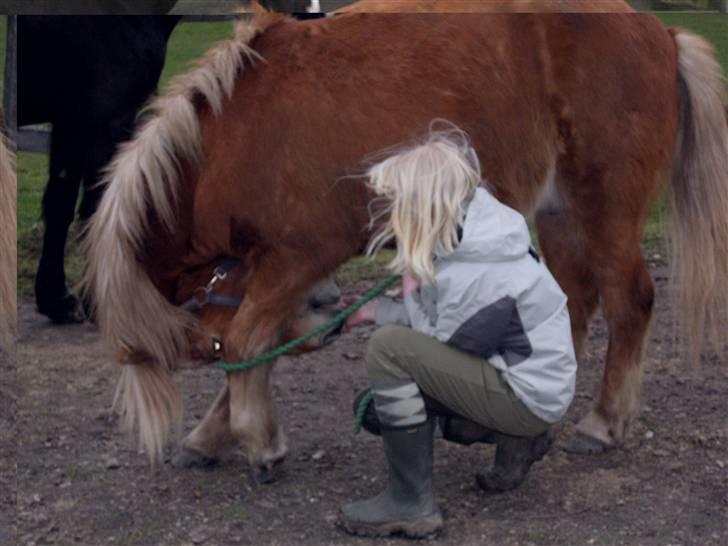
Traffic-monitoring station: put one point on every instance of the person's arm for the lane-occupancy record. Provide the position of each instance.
(381, 311)
(391, 312)
(419, 320)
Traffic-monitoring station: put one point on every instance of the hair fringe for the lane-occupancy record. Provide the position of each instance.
(422, 190)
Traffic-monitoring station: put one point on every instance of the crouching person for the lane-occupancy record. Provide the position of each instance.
(482, 342)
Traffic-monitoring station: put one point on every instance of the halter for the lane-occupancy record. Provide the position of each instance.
(204, 295)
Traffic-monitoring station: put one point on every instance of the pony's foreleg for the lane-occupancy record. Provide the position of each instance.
(253, 421)
(202, 445)
(275, 292)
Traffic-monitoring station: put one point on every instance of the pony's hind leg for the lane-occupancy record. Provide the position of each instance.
(201, 446)
(627, 293)
(562, 245)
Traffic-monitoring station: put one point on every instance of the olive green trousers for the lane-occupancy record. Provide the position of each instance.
(466, 384)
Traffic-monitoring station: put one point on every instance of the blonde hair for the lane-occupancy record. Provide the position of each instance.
(425, 190)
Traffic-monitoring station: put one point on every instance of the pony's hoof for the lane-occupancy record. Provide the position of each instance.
(268, 472)
(191, 458)
(581, 444)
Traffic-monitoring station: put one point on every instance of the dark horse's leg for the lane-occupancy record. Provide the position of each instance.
(102, 144)
(59, 204)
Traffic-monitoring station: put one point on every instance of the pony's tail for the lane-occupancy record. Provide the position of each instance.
(147, 332)
(148, 401)
(698, 194)
(8, 246)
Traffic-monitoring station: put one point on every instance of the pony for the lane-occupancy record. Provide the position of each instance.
(486, 6)
(580, 121)
(88, 76)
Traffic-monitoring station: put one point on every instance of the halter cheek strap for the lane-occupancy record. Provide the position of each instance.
(204, 295)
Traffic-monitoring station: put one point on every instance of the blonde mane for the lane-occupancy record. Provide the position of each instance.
(136, 320)
(143, 176)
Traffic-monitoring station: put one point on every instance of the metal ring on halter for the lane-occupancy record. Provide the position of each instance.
(201, 295)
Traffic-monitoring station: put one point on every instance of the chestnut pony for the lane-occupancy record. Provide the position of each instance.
(580, 121)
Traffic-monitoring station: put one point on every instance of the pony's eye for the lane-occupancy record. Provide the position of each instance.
(216, 345)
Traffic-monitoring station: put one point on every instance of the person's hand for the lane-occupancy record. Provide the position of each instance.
(366, 313)
(409, 283)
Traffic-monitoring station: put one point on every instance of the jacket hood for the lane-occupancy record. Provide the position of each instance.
(492, 231)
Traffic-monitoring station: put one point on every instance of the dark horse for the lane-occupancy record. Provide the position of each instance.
(88, 76)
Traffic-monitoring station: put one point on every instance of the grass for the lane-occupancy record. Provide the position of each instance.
(187, 43)
(711, 25)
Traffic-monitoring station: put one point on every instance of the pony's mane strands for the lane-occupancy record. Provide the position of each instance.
(144, 176)
(137, 322)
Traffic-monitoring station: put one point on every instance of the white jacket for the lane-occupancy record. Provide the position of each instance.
(494, 297)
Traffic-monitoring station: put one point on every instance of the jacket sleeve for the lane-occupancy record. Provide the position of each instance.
(391, 312)
(419, 319)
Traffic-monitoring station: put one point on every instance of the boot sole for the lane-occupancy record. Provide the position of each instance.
(419, 528)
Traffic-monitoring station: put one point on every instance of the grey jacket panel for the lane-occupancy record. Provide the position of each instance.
(496, 328)
(492, 298)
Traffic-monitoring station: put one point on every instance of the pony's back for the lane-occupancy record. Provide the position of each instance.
(487, 6)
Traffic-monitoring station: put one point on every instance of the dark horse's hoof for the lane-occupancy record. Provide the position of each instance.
(65, 310)
(191, 458)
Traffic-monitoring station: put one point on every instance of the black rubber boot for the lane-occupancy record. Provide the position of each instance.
(461, 430)
(513, 459)
(407, 505)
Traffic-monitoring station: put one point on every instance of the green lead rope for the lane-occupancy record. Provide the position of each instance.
(361, 410)
(335, 321)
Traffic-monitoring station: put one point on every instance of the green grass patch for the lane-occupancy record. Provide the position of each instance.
(32, 177)
(712, 26)
(188, 42)
(363, 268)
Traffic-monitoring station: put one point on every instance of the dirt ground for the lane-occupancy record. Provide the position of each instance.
(79, 481)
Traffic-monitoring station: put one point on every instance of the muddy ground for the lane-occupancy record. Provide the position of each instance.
(80, 482)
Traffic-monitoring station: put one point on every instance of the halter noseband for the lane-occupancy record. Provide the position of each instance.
(204, 295)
